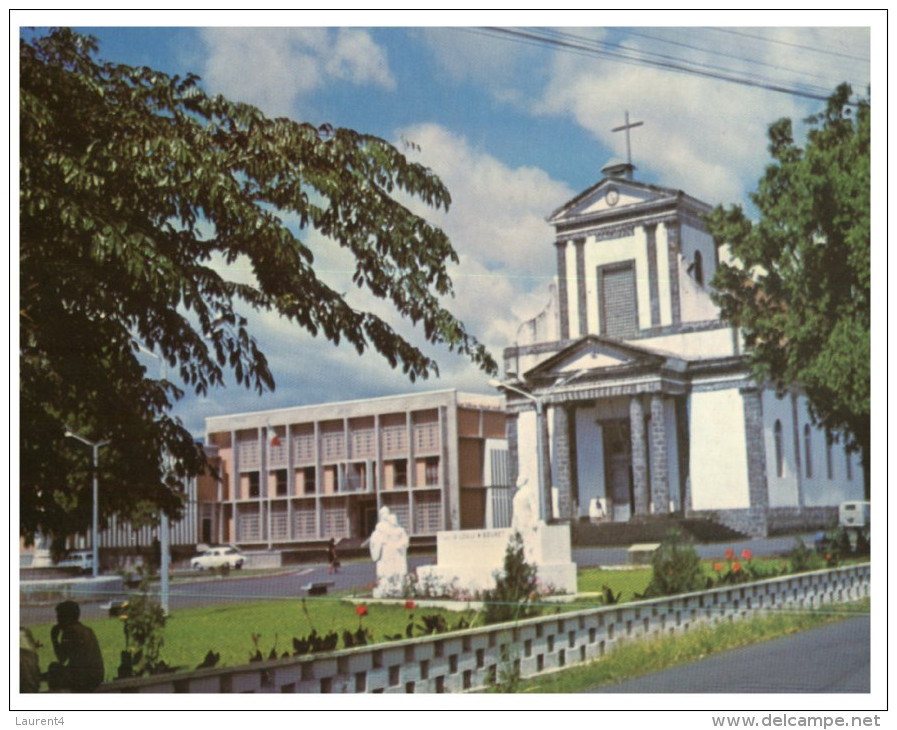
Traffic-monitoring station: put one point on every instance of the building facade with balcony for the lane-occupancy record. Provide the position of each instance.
(438, 460)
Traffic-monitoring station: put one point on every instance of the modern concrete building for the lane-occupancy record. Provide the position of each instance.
(637, 394)
(438, 460)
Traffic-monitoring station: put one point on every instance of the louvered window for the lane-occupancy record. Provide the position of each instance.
(617, 300)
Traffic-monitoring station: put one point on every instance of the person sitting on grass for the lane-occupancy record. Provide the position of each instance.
(80, 666)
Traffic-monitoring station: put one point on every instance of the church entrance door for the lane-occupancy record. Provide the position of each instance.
(618, 469)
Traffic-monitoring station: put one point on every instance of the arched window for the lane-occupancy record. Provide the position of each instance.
(699, 268)
(780, 454)
(829, 469)
(808, 454)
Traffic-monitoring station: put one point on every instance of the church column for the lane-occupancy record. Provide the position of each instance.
(683, 448)
(639, 456)
(581, 298)
(562, 463)
(563, 302)
(660, 480)
(673, 249)
(511, 426)
(653, 278)
(758, 487)
(544, 460)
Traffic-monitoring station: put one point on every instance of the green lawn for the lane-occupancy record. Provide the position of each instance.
(228, 629)
(625, 582)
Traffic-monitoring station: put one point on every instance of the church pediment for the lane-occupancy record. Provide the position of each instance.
(610, 196)
(594, 353)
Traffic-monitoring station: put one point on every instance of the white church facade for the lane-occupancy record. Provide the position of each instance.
(641, 391)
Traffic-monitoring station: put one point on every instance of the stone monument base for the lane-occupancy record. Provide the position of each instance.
(470, 558)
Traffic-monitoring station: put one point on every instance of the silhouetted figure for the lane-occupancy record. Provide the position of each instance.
(80, 666)
(332, 556)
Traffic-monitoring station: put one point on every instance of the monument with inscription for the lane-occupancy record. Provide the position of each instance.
(470, 559)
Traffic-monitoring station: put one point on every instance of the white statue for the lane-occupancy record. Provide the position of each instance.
(525, 507)
(389, 549)
(525, 515)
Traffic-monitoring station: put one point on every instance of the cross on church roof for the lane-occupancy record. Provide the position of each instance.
(627, 126)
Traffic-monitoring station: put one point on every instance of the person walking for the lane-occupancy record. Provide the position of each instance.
(332, 557)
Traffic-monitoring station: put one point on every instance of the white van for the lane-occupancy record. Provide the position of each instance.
(853, 514)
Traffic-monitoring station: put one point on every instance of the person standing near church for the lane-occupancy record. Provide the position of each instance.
(80, 662)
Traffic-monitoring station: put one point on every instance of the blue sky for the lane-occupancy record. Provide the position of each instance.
(513, 128)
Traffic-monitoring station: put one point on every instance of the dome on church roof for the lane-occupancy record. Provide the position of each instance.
(618, 169)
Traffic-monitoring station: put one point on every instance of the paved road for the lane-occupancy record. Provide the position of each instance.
(360, 574)
(207, 590)
(830, 659)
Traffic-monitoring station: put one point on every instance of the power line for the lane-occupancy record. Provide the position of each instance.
(743, 59)
(696, 66)
(790, 44)
(576, 44)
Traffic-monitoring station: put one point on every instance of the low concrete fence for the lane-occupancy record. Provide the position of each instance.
(473, 658)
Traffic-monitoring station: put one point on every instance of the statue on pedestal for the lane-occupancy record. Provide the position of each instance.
(389, 550)
(525, 514)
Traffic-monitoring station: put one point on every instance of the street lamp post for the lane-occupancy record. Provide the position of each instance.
(95, 536)
(164, 532)
(542, 459)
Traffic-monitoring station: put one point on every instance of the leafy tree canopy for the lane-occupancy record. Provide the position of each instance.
(134, 187)
(800, 291)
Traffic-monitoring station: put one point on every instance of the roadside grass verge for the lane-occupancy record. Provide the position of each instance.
(639, 657)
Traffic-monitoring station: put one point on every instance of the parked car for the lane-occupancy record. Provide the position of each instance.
(80, 559)
(218, 557)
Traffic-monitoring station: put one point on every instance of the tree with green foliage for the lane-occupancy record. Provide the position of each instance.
(137, 190)
(799, 286)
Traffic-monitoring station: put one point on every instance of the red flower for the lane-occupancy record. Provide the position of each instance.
(409, 604)
(361, 610)
(730, 553)
(736, 567)
(746, 554)
(828, 557)
(717, 567)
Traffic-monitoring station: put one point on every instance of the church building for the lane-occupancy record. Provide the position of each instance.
(629, 397)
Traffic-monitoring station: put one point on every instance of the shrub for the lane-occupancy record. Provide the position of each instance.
(676, 567)
(514, 586)
(143, 620)
(803, 559)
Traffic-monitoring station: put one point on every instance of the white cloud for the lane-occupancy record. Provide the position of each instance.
(276, 67)
(705, 137)
(497, 225)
